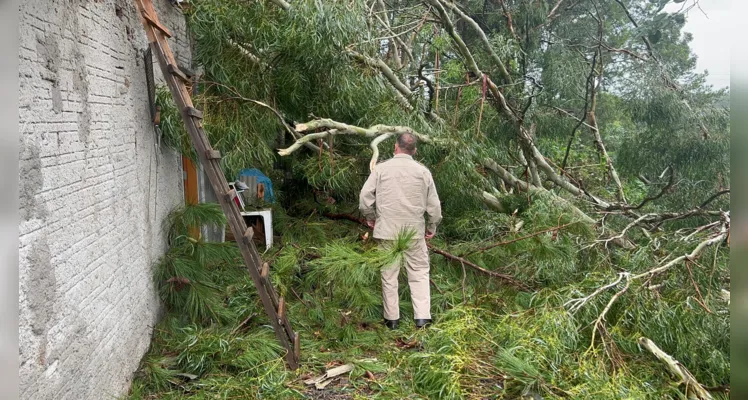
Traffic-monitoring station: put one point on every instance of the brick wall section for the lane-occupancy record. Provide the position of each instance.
(94, 192)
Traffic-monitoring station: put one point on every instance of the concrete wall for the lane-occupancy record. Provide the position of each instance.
(93, 194)
(206, 194)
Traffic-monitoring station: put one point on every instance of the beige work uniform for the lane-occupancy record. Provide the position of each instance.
(397, 195)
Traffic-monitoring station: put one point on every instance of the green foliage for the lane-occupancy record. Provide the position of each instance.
(158, 373)
(351, 272)
(172, 128)
(182, 275)
(489, 340)
(340, 175)
(179, 221)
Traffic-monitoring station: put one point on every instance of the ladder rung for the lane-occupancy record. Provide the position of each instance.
(296, 345)
(265, 269)
(281, 309)
(174, 70)
(156, 24)
(231, 195)
(193, 112)
(188, 72)
(212, 154)
(248, 235)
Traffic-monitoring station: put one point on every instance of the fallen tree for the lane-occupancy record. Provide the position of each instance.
(563, 151)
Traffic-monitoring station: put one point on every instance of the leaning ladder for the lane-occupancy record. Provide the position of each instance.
(275, 307)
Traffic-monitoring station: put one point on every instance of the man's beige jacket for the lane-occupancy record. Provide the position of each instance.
(397, 195)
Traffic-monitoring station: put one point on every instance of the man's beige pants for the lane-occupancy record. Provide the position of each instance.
(417, 264)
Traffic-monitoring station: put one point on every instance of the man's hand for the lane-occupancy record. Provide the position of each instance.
(370, 224)
(429, 235)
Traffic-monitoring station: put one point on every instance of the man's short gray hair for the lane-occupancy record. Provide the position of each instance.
(407, 143)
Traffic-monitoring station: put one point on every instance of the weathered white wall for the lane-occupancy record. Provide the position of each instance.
(93, 194)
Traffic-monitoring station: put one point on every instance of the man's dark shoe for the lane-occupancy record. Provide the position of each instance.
(392, 323)
(420, 323)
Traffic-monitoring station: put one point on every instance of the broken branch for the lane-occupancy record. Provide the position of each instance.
(694, 390)
(724, 231)
(647, 199)
(510, 279)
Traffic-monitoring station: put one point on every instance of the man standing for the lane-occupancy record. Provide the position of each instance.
(395, 197)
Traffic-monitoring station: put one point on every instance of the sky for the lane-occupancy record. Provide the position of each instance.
(709, 29)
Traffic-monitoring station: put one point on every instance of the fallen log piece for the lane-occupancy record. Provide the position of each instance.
(694, 390)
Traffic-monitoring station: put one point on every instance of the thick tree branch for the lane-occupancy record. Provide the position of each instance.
(724, 230)
(385, 70)
(564, 183)
(576, 304)
(593, 119)
(502, 107)
(499, 101)
(378, 132)
(721, 236)
(250, 56)
(484, 39)
(399, 86)
(505, 175)
(520, 185)
(527, 160)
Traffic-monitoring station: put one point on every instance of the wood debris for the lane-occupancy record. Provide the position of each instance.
(330, 375)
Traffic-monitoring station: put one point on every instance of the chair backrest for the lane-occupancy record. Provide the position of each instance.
(238, 200)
